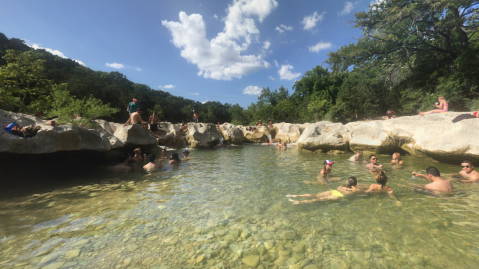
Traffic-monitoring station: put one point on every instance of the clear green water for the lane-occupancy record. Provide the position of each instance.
(225, 207)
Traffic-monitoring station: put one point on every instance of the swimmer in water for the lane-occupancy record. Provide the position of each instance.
(382, 179)
(438, 186)
(279, 144)
(396, 158)
(358, 157)
(137, 158)
(152, 164)
(374, 165)
(174, 160)
(164, 154)
(323, 176)
(186, 155)
(285, 146)
(468, 173)
(339, 193)
(122, 166)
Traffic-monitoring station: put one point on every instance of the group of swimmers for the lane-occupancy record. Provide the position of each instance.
(438, 185)
(153, 162)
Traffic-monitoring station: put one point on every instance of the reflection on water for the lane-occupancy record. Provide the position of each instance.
(227, 208)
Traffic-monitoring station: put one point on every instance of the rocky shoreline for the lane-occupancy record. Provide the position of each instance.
(433, 136)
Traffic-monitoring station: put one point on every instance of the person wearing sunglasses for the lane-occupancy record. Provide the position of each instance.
(438, 185)
(468, 172)
(374, 165)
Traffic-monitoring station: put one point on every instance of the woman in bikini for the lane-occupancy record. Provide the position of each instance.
(382, 179)
(442, 106)
(339, 193)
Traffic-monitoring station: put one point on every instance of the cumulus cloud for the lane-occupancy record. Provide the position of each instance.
(266, 45)
(252, 90)
(115, 65)
(221, 57)
(205, 102)
(194, 93)
(138, 69)
(215, 16)
(270, 77)
(348, 7)
(320, 46)
(55, 52)
(285, 72)
(276, 63)
(283, 28)
(310, 22)
(168, 86)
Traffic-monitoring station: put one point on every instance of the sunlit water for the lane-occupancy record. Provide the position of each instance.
(227, 208)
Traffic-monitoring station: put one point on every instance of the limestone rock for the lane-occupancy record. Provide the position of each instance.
(287, 235)
(231, 133)
(256, 137)
(202, 135)
(170, 135)
(134, 135)
(325, 136)
(252, 260)
(287, 132)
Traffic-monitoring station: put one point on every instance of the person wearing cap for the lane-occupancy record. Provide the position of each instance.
(196, 117)
(186, 155)
(133, 106)
(323, 176)
(122, 166)
(328, 165)
(374, 163)
(468, 172)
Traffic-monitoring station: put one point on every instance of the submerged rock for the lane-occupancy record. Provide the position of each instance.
(252, 260)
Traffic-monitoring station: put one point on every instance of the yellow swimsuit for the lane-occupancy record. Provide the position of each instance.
(337, 193)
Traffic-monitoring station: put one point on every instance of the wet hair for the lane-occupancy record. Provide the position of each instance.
(137, 150)
(352, 181)
(469, 162)
(380, 177)
(431, 170)
(151, 158)
(398, 155)
(162, 150)
(175, 157)
(370, 156)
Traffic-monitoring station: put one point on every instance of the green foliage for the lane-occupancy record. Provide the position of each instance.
(77, 112)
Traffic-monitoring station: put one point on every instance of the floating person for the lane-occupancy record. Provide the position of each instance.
(152, 164)
(133, 106)
(396, 158)
(358, 157)
(442, 106)
(341, 192)
(122, 166)
(438, 186)
(186, 155)
(164, 154)
(382, 179)
(174, 159)
(468, 172)
(373, 163)
(137, 158)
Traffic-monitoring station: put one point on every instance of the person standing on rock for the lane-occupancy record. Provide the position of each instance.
(358, 157)
(438, 185)
(196, 116)
(133, 106)
(468, 172)
(122, 167)
(374, 163)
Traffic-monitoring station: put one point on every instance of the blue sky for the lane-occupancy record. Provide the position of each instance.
(211, 50)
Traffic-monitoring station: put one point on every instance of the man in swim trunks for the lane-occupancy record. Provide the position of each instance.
(438, 185)
(196, 116)
(374, 163)
(468, 172)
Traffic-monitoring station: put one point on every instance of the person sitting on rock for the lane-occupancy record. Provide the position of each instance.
(438, 186)
(442, 106)
(382, 179)
(373, 165)
(152, 164)
(476, 114)
(218, 126)
(174, 159)
(396, 158)
(358, 157)
(468, 172)
(122, 166)
(259, 123)
(255, 130)
(135, 118)
(186, 155)
(391, 114)
(164, 154)
(270, 123)
(341, 192)
(137, 158)
(183, 126)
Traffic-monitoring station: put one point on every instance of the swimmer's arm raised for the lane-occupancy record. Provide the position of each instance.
(420, 175)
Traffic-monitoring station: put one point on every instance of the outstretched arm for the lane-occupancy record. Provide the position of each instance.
(420, 175)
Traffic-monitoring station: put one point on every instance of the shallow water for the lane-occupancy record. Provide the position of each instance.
(227, 208)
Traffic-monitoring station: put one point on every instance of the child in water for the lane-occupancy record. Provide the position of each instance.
(396, 158)
(382, 179)
(339, 193)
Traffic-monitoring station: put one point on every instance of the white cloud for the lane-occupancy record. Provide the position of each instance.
(285, 72)
(252, 90)
(276, 63)
(270, 77)
(320, 46)
(168, 86)
(204, 102)
(138, 69)
(220, 58)
(115, 65)
(348, 7)
(215, 16)
(283, 28)
(310, 21)
(266, 45)
(54, 52)
(194, 93)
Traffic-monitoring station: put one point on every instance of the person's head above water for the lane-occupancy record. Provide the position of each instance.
(396, 156)
(328, 162)
(151, 158)
(467, 166)
(359, 152)
(433, 171)
(175, 157)
(185, 153)
(137, 151)
(380, 177)
(163, 151)
(352, 182)
(373, 159)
